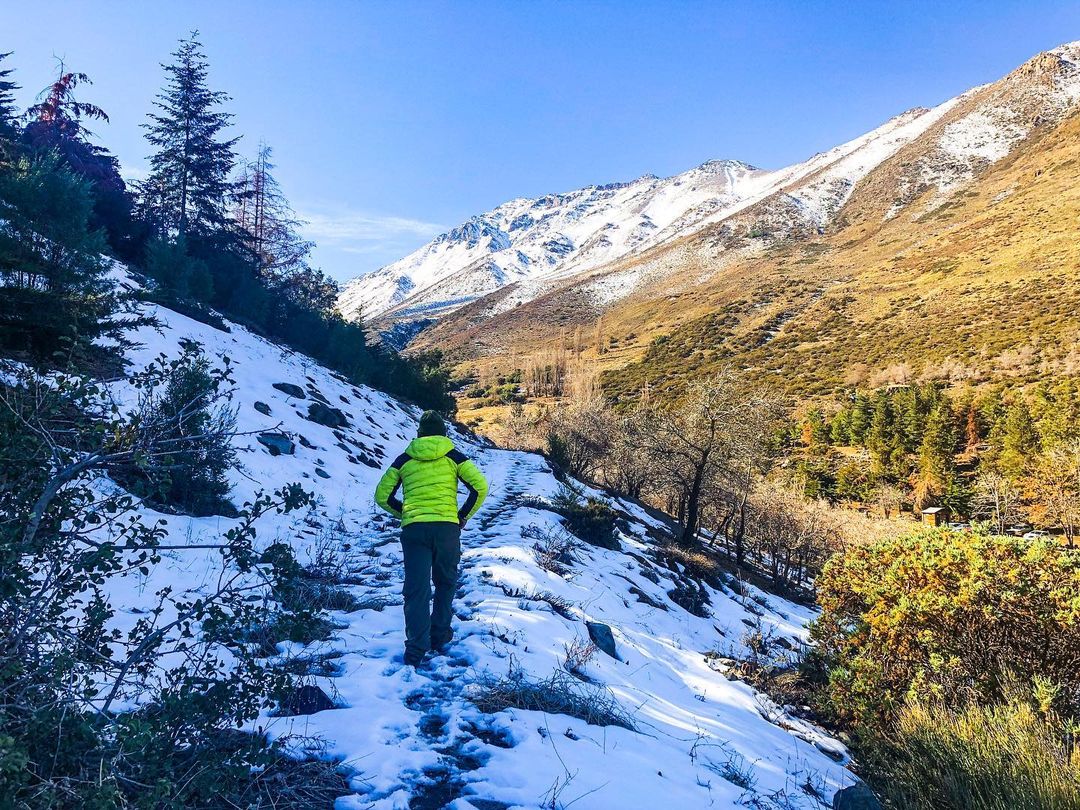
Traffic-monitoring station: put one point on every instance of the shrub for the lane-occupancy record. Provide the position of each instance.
(63, 544)
(554, 550)
(182, 446)
(589, 518)
(946, 616)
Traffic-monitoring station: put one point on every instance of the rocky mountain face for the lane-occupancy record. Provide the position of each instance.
(526, 248)
(557, 233)
(900, 250)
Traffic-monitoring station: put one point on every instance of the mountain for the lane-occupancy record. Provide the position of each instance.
(901, 250)
(558, 235)
(531, 238)
(688, 734)
(561, 234)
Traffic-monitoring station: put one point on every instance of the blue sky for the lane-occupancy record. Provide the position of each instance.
(393, 121)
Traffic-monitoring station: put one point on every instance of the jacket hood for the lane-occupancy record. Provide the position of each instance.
(429, 448)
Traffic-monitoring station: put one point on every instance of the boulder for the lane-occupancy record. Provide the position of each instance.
(603, 638)
(262, 408)
(307, 699)
(319, 471)
(855, 797)
(291, 390)
(316, 394)
(325, 415)
(277, 443)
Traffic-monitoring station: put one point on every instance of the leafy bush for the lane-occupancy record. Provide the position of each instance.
(67, 672)
(946, 616)
(182, 448)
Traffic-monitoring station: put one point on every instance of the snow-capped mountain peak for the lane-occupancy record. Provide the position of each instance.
(535, 243)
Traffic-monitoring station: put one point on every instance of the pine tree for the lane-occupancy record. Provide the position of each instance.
(883, 440)
(53, 294)
(266, 221)
(189, 185)
(936, 454)
(8, 110)
(1020, 441)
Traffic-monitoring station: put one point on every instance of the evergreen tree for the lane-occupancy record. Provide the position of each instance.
(862, 413)
(884, 442)
(1019, 441)
(936, 454)
(189, 185)
(179, 274)
(54, 294)
(8, 110)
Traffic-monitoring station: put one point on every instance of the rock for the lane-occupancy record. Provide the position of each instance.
(602, 637)
(262, 408)
(291, 390)
(307, 699)
(325, 415)
(277, 443)
(305, 443)
(319, 471)
(316, 394)
(855, 797)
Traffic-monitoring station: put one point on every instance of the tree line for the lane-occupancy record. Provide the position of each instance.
(1001, 455)
(211, 231)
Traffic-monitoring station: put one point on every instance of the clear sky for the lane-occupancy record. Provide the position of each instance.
(393, 121)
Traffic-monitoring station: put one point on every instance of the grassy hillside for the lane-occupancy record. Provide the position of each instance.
(975, 287)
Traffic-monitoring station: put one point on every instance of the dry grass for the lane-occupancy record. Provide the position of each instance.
(560, 693)
(997, 758)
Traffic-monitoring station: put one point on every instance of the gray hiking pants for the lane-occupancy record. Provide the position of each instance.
(432, 552)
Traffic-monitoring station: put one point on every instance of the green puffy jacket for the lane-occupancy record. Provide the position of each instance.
(428, 472)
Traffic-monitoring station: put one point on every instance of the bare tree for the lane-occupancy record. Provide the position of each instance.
(997, 500)
(706, 450)
(1057, 484)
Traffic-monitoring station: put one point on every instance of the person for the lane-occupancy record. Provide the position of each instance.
(431, 522)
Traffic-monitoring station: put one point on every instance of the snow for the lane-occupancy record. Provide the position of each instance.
(398, 730)
(535, 244)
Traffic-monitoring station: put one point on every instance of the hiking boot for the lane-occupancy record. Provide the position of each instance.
(413, 659)
(441, 645)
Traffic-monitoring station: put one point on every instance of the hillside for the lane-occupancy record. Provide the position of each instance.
(417, 738)
(950, 256)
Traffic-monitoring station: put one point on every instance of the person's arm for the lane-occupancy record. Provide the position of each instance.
(386, 490)
(469, 474)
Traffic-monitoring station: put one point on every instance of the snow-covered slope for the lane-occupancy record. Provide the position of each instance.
(701, 740)
(525, 238)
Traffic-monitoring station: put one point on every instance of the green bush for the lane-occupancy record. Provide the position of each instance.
(946, 616)
(182, 449)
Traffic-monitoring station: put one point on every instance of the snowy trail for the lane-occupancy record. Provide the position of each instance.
(414, 739)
